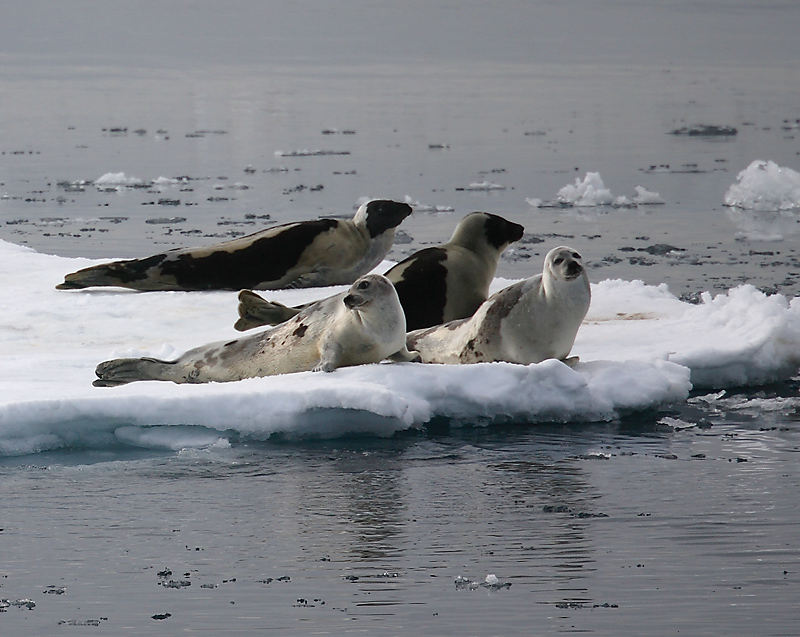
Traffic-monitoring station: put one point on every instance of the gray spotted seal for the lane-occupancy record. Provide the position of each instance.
(314, 253)
(363, 325)
(435, 285)
(525, 323)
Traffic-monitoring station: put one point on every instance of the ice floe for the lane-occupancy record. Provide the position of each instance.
(639, 347)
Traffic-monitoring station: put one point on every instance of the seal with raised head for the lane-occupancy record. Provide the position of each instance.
(525, 323)
(435, 285)
(360, 326)
(314, 253)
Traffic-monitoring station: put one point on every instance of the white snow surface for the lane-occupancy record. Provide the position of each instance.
(764, 185)
(639, 347)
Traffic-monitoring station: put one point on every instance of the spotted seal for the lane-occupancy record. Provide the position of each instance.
(313, 253)
(525, 323)
(435, 285)
(363, 325)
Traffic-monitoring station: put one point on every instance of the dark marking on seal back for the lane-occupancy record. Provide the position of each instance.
(300, 331)
(504, 302)
(501, 231)
(265, 259)
(383, 214)
(134, 269)
(423, 289)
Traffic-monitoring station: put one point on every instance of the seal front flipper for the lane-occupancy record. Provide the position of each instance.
(256, 311)
(121, 371)
(406, 355)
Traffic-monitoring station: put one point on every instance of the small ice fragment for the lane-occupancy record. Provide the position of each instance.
(645, 197)
(491, 578)
(485, 185)
(117, 179)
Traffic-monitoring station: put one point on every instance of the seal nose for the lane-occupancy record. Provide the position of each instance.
(353, 300)
(574, 269)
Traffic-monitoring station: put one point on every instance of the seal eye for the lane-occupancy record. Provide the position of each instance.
(558, 260)
(575, 255)
(363, 285)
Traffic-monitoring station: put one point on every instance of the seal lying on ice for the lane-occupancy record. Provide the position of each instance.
(363, 325)
(527, 322)
(435, 285)
(314, 253)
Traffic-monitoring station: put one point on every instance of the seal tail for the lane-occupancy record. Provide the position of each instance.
(121, 371)
(255, 311)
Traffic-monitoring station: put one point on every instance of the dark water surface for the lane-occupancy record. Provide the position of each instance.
(630, 528)
(679, 521)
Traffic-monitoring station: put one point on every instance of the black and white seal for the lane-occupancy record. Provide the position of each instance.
(363, 325)
(525, 323)
(435, 285)
(314, 253)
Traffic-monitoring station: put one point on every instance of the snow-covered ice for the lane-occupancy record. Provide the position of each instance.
(639, 347)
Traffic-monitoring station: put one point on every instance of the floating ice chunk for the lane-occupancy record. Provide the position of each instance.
(491, 578)
(535, 202)
(422, 207)
(117, 179)
(589, 192)
(764, 185)
(483, 185)
(165, 181)
(645, 197)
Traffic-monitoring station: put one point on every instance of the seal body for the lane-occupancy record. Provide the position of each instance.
(363, 325)
(435, 285)
(525, 323)
(450, 281)
(314, 253)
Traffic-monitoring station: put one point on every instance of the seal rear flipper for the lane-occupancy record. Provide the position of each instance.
(103, 275)
(255, 311)
(134, 274)
(121, 371)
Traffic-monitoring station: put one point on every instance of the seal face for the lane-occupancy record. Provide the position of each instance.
(312, 253)
(525, 323)
(363, 325)
(435, 285)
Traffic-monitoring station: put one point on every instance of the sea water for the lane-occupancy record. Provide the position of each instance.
(129, 130)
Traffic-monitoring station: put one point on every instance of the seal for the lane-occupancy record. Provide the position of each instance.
(525, 323)
(360, 326)
(314, 253)
(435, 285)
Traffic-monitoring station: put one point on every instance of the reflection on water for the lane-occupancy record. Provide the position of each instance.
(765, 225)
(662, 518)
